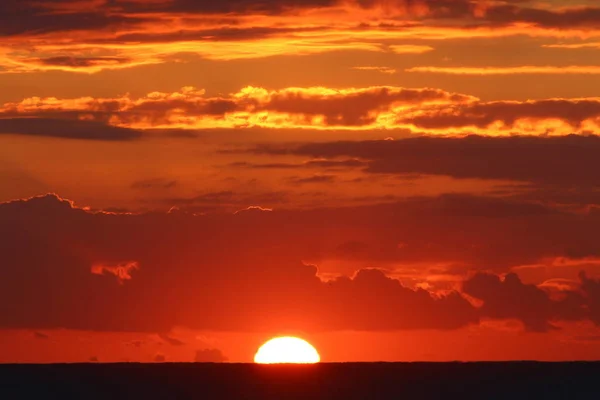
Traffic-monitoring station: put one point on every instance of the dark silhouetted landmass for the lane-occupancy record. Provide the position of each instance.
(514, 380)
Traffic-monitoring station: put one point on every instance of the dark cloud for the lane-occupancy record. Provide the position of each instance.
(226, 6)
(75, 62)
(591, 290)
(245, 164)
(259, 286)
(509, 298)
(568, 18)
(350, 163)
(483, 115)
(40, 335)
(575, 197)
(208, 35)
(432, 8)
(157, 111)
(565, 160)
(18, 17)
(252, 267)
(171, 340)
(29, 17)
(155, 183)
(321, 178)
(499, 14)
(587, 338)
(228, 200)
(66, 128)
(209, 356)
(354, 108)
(325, 164)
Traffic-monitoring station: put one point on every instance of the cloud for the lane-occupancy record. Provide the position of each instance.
(245, 164)
(18, 17)
(121, 270)
(227, 6)
(94, 35)
(189, 108)
(268, 283)
(209, 356)
(587, 338)
(36, 16)
(415, 110)
(171, 340)
(533, 117)
(155, 183)
(254, 209)
(319, 178)
(251, 287)
(159, 358)
(586, 45)
(350, 107)
(565, 160)
(561, 19)
(561, 273)
(333, 164)
(82, 61)
(383, 70)
(509, 298)
(410, 49)
(228, 201)
(529, 69)
(591, 290)
(40, 335)
(67, 129)
(72, 63)
(317, 163)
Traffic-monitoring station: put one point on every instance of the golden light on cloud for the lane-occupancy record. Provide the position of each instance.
(416, 110)
(586, 45)
(287, 350)
(410, 49)
(528, 69)
(161, 37)
(383, 70)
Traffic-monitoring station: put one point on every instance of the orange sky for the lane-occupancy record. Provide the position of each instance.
(389, 179)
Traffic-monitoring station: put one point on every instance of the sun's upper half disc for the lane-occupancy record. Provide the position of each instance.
(287, 350)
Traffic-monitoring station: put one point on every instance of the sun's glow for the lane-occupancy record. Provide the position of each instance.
(283, 350)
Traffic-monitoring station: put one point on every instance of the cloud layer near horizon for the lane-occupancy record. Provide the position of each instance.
(250, 271)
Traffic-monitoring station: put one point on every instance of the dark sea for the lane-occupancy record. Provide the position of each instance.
(505, 380)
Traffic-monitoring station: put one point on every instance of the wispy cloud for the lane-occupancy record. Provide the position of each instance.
(410, 49)
(383, 70)
(545, 70)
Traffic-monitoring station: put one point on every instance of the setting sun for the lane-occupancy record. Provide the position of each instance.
(287, 350)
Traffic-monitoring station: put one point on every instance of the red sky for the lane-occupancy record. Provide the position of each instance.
(389, 179)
